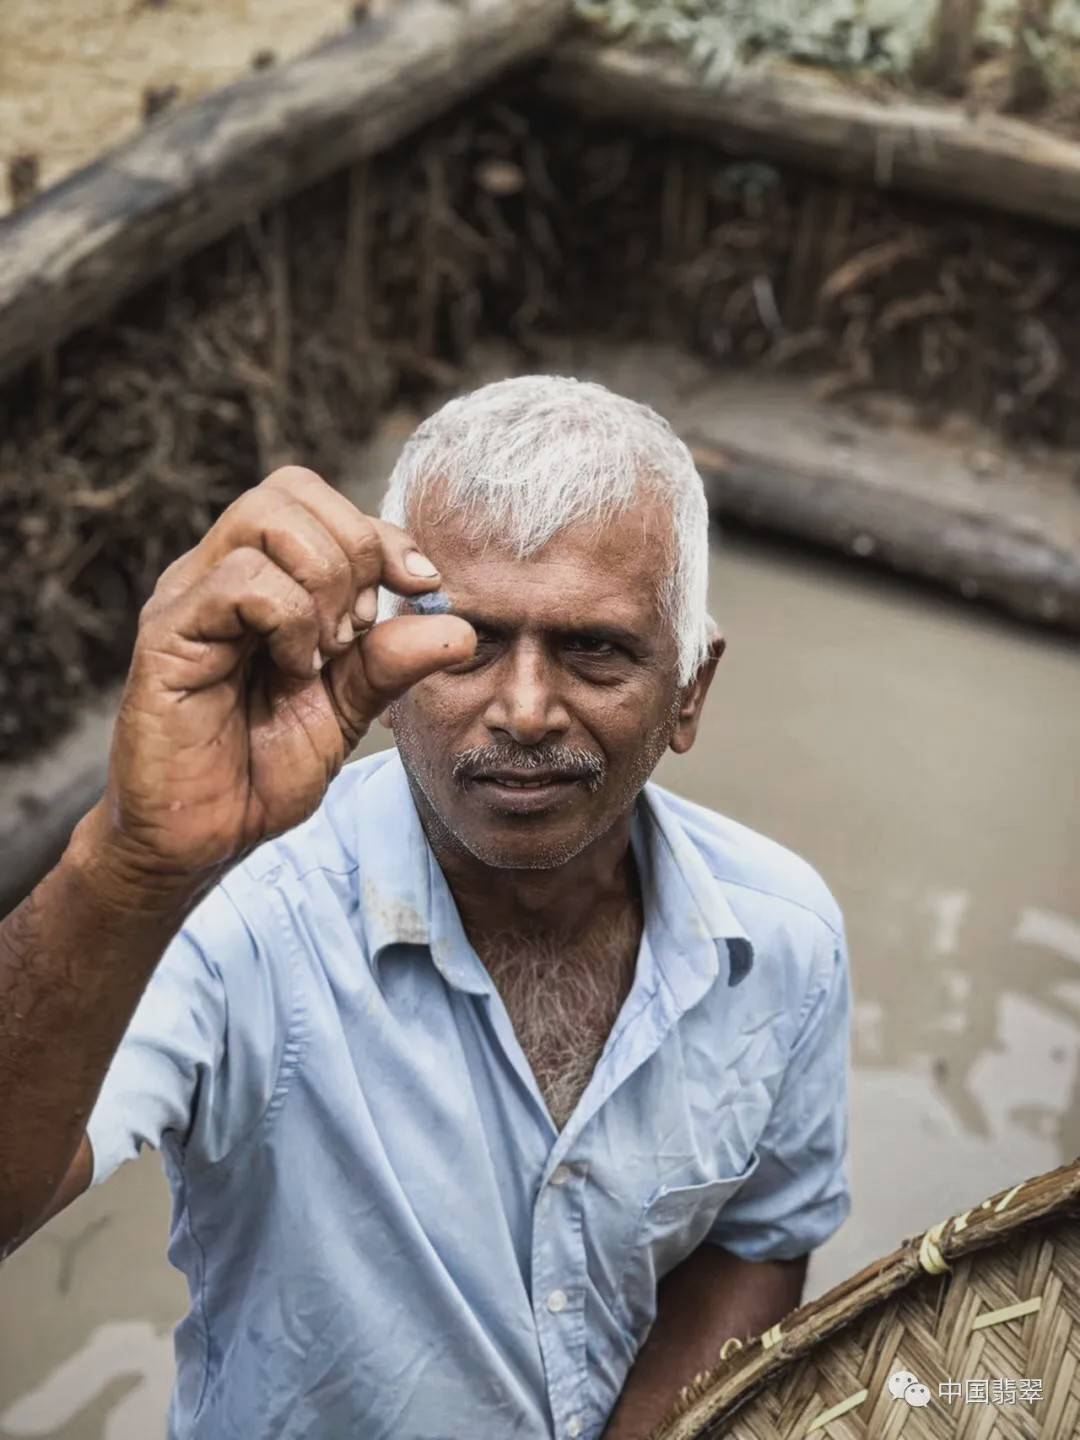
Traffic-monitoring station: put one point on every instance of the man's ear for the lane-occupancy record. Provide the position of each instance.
(386, 718)
(693, 696)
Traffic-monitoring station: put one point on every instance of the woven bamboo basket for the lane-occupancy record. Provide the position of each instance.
(970, 1331)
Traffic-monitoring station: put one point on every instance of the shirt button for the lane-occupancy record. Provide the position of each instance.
(556, 1301)
(561, 1174)
(574, 1426)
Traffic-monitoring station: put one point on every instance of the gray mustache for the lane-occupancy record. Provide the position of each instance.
(568, 760)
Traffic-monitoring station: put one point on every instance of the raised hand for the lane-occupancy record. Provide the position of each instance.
(256, 669)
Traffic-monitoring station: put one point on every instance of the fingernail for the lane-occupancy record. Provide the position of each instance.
(345, 631)
(366, 608)
(418, 564)
(317, 661)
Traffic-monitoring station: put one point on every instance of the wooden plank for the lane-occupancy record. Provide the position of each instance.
(794, 115)
(82, 245)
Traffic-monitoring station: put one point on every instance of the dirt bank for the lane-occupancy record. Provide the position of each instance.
(77, 76)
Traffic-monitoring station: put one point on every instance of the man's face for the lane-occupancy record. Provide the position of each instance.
(532, 749)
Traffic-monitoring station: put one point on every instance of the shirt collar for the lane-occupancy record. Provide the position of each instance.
(693, 927)
(406, 900)
(403, 892)
(392, 859)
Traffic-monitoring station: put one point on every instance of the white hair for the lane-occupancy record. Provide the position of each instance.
(526, 458)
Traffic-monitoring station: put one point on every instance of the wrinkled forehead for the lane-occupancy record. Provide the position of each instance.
(638, 534)
(624, 556)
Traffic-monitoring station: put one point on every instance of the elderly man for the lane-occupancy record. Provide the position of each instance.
(493, 1083)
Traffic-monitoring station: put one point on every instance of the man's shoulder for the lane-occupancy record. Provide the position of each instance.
(760, 877)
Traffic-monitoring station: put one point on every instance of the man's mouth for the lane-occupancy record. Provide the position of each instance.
(526, 779)
(525, 792)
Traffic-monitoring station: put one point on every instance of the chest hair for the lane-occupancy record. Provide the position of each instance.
(563, 994)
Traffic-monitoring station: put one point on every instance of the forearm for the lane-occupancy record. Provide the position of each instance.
(74, 958)
(710, 1297)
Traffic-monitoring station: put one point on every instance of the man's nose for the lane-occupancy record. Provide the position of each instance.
(527, 703)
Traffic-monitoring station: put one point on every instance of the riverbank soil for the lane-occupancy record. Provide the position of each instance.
(77, 78)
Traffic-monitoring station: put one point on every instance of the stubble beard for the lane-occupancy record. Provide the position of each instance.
(547, 855)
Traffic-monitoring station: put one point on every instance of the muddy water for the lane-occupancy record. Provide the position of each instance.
(925, 758)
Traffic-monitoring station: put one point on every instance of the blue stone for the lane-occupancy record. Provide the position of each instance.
(437, 603)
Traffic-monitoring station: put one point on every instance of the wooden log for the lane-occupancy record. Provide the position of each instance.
(978, 552)
(84, 244)
(802, 117)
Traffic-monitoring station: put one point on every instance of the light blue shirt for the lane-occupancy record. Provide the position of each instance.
(383, 1231)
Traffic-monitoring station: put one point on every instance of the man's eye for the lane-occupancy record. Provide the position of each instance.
(591, 645)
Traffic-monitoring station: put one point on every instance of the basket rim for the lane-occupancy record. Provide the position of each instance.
(735, 1378)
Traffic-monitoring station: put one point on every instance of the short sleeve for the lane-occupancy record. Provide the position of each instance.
(800, 1193)
(198, 1062)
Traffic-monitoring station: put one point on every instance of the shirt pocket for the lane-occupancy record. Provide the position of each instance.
(673, 1223)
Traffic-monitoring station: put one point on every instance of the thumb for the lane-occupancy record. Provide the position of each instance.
(391, 657)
